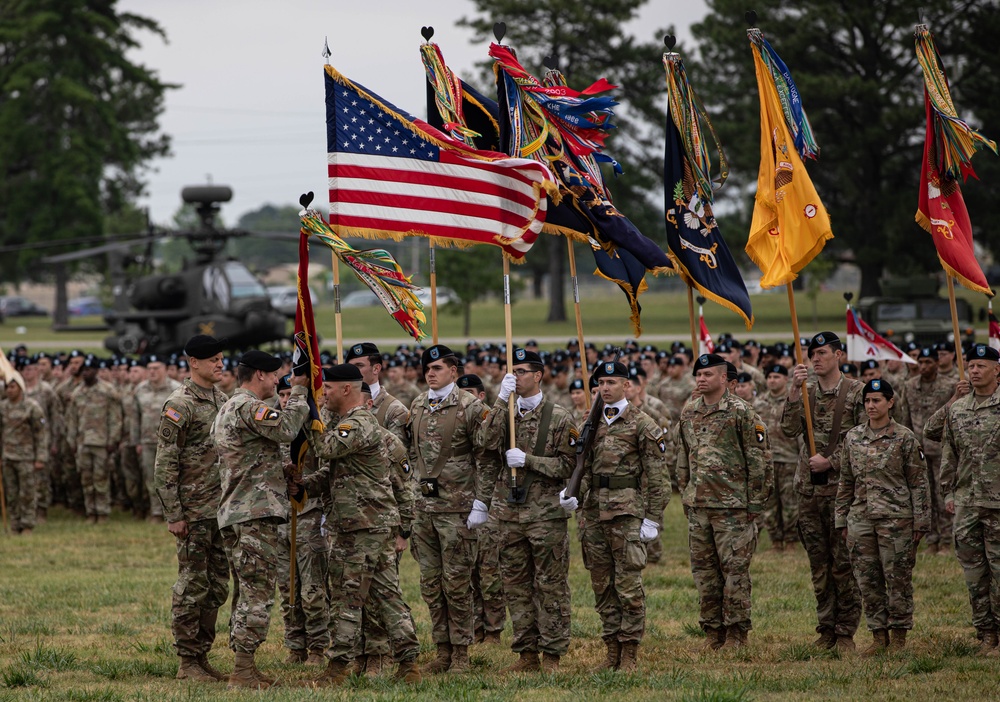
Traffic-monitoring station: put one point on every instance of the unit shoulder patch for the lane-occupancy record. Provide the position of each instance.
(344, 430)
(761, 433)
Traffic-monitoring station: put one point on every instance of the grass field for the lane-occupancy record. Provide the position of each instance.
(84, 615)
(664, 315)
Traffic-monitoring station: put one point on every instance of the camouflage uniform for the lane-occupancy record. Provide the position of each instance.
(24, 440)
(130, 467)
(923, 400)
(724, 472)
(367, 511)
(248, 435)
(46, 397)
(622, 483)
(405, 392)
(970, 476)
(186, 484)
(95, 424)
(443, 546)
(534, 543)
(781, 516)
(675, 393)
(146, 407)
(65, 459)
(838, 599)
(882, 499)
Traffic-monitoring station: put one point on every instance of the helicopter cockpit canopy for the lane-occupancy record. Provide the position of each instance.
(229, 282)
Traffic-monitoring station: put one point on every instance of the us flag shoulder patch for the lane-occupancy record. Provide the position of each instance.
(172, 414)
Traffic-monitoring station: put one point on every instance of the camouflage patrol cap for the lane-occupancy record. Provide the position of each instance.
(709, 360)
(826, 338)
(611, 369)
(362, 350)
(470, 381)
(982, 352)
(878, 385)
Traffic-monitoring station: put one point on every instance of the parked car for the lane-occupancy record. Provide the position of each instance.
(84, 306)
(14, 306)
(444, 296)
(284, 298)
(359, 298)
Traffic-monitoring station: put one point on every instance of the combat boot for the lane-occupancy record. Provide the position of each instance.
(443, 660)
(408, 672)
(296, 656)
(459, 660)
(629, 661)
(190, 670)
(337, 671)
(245, 674)
(359, 665)
(527, 662)
(845, 645)
(316, 658)
(613, 656)
(880, 642)
(897, 639)
(550, 663)
(736, 637)
(209, 668)
(715, 638)
(827, 639)
(377, 664)
(988, 643)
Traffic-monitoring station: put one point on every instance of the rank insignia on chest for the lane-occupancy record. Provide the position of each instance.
(264, 414)
(344, 429)
(172, 414)
(759, 429)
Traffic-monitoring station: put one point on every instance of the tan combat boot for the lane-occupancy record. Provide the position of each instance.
(880, 642)
(442, 662)
(826, 640)
(527, 662)
(459, 660)
(316, 658)
(550, 663)
(629, 662)
(736, 637)
(377, 664)
(988, 643)
(209, 668)
(845, 645)
(337, 671)
(897, 639)
(612, 657)
(408, 672)
(296, 656)
(189, 669)
(245, 674)
(715, 638)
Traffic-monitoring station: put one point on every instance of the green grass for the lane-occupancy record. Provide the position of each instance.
(84, 615)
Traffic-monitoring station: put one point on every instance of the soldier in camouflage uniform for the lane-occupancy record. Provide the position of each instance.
(94, 432)
(675, 389)
(838, 600)
(130, 468)
(45, 395)
(24, 450)
(637, 396)
(928, 392)
(781, 515)
(185, 482)
(622, 493)
(578, 394)
(883, 511)
(970, 477)
(534, 542)
(366, 517)
(65, 460)
(147, 409)
(441, 437)
(724, 473)
(248, 434)
(398, 385)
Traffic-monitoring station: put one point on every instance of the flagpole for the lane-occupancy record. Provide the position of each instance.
(508, 329)
(694, 333)
(434, 294)
(336, 307)
(806, 409)
(579, 318)
(959, 361)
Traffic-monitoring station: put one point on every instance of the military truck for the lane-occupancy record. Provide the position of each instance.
(911, 309)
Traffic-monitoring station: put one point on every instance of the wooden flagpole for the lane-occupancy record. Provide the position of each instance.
(807, 410)
(695, 348)
(434, 294)
(959, 361)
(508, 330)
(579, 319)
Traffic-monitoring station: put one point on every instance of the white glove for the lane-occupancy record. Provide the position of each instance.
(515, 457)
(478, 515)
(570, 504)
(648, 531)
(507, 386)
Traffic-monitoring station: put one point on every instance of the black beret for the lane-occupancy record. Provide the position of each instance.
(531, 342)
(744, 378)
(470, 380)
(635, 371)
(982, 352)
(360, 350)
(826, 338)
(395, 363)
(928, 352)
(911, 346)
(611, 369)
(777, 368)
(258, 360)
(285, 382)
(675, 361)
(870, 364)
(577, 384)
(183, 365)
(708, 360)
(525, 356)
(342, 373)
(592, 382)
(366, 388)
(723, 347)
(878, 385)
(947, 346)
(435, 353)
(730, 371)
(202, 346)
(848, 368)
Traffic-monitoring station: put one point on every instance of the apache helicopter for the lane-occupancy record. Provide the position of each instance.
(158, 313)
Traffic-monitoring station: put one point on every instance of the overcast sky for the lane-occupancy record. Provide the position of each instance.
(250, 112)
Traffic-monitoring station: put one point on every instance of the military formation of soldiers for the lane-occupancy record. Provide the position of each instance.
(466, 462)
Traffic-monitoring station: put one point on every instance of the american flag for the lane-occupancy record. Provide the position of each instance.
(394, 175)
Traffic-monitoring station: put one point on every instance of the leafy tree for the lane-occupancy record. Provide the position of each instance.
(589, 41)
(472, 274)
(259, 252)
(79, 120)
(855, 67)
